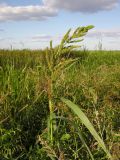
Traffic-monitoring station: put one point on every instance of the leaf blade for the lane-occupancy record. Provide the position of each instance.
(87, 123)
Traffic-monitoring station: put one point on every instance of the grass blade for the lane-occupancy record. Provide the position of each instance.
(76, 109)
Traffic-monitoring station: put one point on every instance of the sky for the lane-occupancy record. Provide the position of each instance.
(32, 24)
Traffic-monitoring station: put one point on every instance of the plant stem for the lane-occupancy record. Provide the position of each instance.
(50, 89)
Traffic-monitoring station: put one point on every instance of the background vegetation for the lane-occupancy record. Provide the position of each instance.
(93, 83)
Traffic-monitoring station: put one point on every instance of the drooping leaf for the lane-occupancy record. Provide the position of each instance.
(77, 111)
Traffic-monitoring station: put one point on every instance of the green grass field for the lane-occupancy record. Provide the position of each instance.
(93, 83)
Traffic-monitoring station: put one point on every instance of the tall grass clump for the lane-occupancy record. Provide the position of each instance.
(56, 62)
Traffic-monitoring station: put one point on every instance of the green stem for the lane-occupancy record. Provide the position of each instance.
(50, 89)
(51, 126)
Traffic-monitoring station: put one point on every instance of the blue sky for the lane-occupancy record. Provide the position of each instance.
(33, 23)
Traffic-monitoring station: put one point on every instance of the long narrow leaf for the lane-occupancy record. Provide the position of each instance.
(76, 109)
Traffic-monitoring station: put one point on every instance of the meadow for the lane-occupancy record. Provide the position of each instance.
(66, 110)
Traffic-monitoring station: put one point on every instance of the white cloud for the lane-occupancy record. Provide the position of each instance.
(111, 33)
(2, 30)
(8, 13)
(50, 8)
(2, 39)
(45, 38)
(42, 37)
(85, 6)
